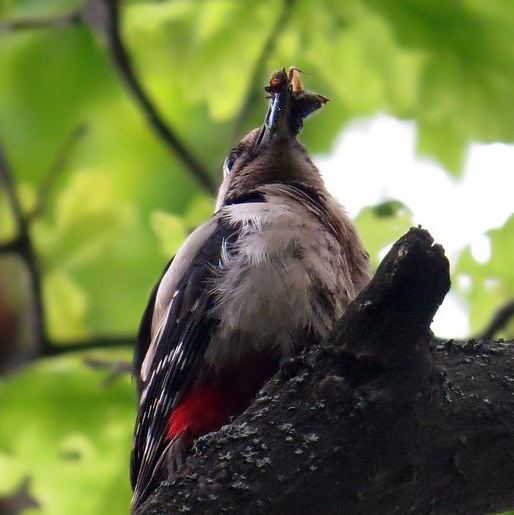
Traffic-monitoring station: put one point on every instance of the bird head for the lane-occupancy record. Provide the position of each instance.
(272, 153)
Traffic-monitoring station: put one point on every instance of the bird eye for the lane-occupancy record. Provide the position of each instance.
(228, 164)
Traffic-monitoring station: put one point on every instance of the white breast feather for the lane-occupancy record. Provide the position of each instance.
(265, 288)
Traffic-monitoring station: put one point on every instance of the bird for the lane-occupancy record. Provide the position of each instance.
(269, 274)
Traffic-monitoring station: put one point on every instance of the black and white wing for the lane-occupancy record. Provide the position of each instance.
(173, 336)
(144, 335)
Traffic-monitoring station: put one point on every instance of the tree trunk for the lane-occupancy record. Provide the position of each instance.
(378, 419)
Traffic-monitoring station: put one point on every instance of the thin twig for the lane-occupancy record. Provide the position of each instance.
(99, 342)
(96, 13)
(6, 177)
(500, 320)
(26, 251)
(104, 15)
(102, 364)
(116, 369)
(56, 169)
(22, 243)
(254, 94)
(65, 20)
(11, 247)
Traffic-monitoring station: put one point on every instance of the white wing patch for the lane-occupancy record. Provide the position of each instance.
(177, 269)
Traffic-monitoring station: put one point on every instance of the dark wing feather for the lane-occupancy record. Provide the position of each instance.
(144, 336)
(179, 348)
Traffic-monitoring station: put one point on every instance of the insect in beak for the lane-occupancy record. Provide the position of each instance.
(289, 105)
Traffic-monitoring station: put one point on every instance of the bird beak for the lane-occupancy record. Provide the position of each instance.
(289, 105)
(276, 120)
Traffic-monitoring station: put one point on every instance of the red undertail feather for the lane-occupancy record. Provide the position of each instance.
(210, 405)
(203, 410)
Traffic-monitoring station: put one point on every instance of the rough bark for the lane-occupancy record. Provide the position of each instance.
(378, 419)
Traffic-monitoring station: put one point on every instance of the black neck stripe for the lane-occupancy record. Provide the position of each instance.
(246, 198)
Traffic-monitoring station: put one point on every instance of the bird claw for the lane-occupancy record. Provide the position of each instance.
(177, 451)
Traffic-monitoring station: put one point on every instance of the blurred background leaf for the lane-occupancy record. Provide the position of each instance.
(491, 284)
(380, 226)
(67, 433)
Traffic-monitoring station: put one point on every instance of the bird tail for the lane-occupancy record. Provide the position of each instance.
(170, 461)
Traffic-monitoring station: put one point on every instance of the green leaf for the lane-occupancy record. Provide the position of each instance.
(171, 231)
(464, 92)
(38, 108)
(7, 223)
(60, 426)
(488, 286)
(36, 9)
(380, 226)
(445, 142)
(88, 219)
(66, 306)
(199, 210)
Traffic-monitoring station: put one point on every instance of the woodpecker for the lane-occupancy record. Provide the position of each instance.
(269, 273)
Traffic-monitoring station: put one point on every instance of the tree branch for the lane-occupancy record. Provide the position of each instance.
(116, 369)
(56, 169)
(23, 246)
(500, 320)
(103, 16)
(6, 176)
(253, 94)
(11, 247)
(98, 342)
(71, 19)
(372, 421)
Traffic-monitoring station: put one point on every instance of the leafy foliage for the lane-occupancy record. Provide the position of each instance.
(380, 226)
(121, 206)
(69, 434)
(488, 285)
